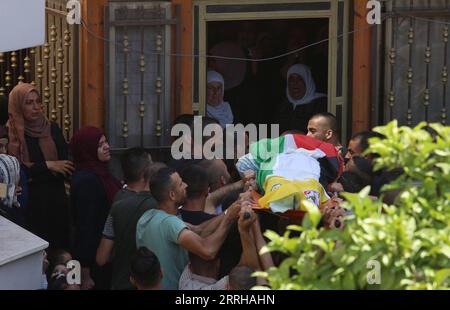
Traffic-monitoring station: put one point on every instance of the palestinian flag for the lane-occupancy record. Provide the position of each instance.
(294, 157)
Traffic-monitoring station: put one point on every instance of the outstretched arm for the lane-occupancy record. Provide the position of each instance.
(208, 247)
(208, 227)
(249, 255)
(265, 259)
(218, 195)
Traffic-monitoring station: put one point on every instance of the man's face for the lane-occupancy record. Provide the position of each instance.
(319, 129)
(296, 86)
(178, 192)
(354, 149)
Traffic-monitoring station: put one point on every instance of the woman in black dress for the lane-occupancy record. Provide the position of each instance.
(302, 101)
(42, 151)
(92, 193)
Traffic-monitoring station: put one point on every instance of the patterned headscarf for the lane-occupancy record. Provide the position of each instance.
(9, 177)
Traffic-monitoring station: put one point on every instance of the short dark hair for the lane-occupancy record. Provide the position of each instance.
(135, 164)
(331, 119)
(363, 138)
(184, 119)
(196, 180)
(56, 256)
(206, 120)
(213, 174)
(155, 167)
(161, 183)
(240, 278)
(362, 167)
(145, 268)
(351, 182)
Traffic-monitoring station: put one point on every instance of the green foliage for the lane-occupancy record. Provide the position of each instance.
(410, 240)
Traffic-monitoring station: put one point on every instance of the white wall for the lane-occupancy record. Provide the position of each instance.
(22, 24)
(23, 274)
(21, 257)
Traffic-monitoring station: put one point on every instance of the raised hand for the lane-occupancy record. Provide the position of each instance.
(249, 179)
(232, 213)
(246, 218)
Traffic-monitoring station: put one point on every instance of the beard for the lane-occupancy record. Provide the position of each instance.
(182, 199)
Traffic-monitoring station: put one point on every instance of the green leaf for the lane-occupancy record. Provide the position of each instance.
(410, 238)
(348, 281)
(321, 244)
(295, 228)
(441, 276)
(313, 214)
(444, 166)
(264, 250)
(445, 249)
(364, 192)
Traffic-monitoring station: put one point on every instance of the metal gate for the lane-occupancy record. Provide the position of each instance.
(138, 70)
(53, 68)
(417, 57)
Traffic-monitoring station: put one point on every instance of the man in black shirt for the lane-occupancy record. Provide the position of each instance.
(197, 190)
(129, 204)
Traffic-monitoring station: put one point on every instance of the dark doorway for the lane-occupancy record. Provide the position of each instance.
(255, 90)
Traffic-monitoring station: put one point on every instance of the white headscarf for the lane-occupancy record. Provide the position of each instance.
(221, 112)
(310, 93)
(214, 76)
(9, 176)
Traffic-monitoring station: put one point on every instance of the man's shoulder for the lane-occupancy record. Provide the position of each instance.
(159, 222)
(157, 216)
(126, 199)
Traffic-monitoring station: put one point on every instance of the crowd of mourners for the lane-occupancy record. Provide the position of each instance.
(184, 224)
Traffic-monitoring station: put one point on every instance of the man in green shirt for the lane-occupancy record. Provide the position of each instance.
(162, 232)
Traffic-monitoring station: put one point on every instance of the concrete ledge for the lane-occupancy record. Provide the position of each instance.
(21, 257)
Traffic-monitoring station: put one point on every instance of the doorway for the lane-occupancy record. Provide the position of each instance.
(266, 26)
(256, 89)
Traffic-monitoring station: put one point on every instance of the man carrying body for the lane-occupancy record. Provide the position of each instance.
(162, 232)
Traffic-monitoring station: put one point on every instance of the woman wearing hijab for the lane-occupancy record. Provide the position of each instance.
(302, 100)
(92, 192)
(40, 147)
(216, 107)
